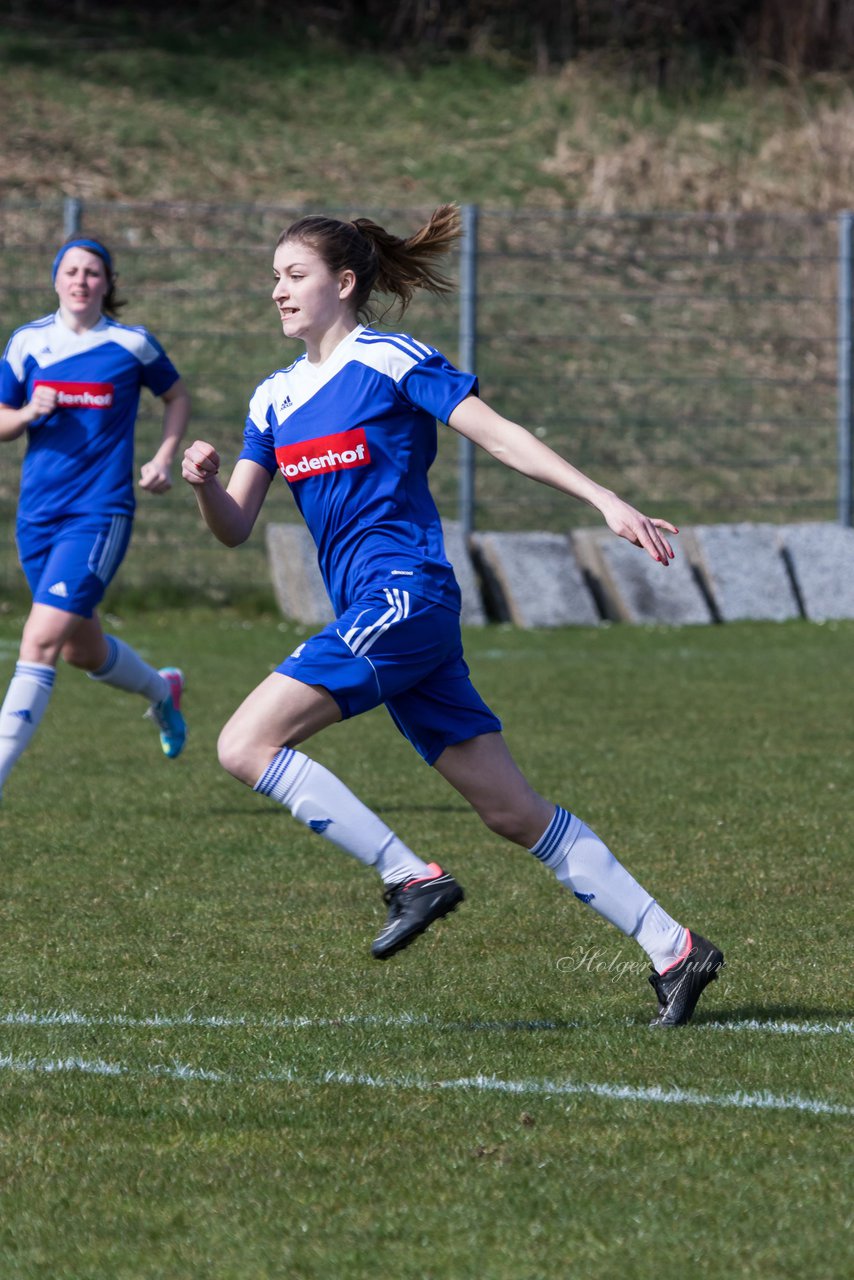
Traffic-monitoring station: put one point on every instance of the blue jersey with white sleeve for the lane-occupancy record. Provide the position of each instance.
(355, 437)
(79, 459)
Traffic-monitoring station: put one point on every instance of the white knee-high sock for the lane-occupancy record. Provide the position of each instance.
(125, 669)
(321, 801)
(586, 865)
(23, 707)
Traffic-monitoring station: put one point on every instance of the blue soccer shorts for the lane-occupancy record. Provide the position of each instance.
(70, 563)
(395, 649)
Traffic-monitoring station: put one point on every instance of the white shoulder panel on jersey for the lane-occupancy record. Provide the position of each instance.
(393, 354)
(135, 340)
(29, 339)
(48, 341)
(286, 390)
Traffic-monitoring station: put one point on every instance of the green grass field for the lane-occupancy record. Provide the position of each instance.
(204, 1076)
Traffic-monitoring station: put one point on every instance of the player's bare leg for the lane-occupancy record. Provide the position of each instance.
(280, 712)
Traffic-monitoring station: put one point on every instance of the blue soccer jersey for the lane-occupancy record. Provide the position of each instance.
(79, 459)
(354, 437)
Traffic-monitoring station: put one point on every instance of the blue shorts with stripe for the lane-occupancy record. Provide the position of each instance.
(70, 563)
(395, 649)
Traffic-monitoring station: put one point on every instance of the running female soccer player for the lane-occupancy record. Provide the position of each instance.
(351, 425)
(72, 381)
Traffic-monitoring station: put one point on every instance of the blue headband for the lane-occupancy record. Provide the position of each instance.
(94, 246)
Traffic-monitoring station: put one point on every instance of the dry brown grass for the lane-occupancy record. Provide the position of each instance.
(764, 147)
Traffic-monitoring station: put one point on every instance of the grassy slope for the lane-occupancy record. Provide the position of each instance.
(242, 117)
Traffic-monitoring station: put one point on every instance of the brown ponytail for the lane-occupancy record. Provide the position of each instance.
(382, 262)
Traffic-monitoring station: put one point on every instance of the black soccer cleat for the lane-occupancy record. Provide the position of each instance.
(680, 988)
(412, 908)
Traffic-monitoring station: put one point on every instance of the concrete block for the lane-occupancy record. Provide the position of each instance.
(473, 613)
(821, 561)
(631, 587)
(535, 579)
(297, 584)
(743, 571)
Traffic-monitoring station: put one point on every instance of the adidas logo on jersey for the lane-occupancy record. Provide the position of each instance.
(286, 404)
(59, 589)
(81, 395)
(328, 453)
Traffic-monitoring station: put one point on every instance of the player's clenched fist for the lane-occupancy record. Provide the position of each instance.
(201, 462)
(42, 403)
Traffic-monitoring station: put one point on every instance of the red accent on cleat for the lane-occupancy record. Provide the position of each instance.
(686, 952)
(434, 869)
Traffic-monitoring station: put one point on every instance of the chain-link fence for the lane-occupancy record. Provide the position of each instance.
(690, 362)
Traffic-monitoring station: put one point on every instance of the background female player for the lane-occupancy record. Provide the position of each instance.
(351, 425)
(72, 380)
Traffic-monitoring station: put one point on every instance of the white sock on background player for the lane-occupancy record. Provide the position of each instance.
(125, 669)
(323, 803)
(586, 865)
(23, 707)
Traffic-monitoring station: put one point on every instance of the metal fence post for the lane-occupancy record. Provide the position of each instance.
(72, 216)
(844, 415)
(468, 354)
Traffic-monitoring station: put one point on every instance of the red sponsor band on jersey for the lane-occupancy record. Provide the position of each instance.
(81, 395)
(327, 453)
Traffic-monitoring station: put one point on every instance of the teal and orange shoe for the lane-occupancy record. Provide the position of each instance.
(167, 714)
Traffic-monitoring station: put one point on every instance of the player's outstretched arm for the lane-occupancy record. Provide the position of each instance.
(230, 513)
(516, 447)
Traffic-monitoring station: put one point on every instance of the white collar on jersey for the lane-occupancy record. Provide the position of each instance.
(101, 323)
(337, 355)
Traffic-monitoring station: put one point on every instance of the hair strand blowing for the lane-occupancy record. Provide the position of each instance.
(404, 265)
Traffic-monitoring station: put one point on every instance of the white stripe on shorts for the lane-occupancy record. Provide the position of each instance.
(104, 557)
(360, 640)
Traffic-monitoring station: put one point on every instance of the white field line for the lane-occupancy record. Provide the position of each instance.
(71, 1018)
(467, 1084)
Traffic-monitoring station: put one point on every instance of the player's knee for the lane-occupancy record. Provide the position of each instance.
(506, 821)
(40, 647)
(234, 756)
(80, 656)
